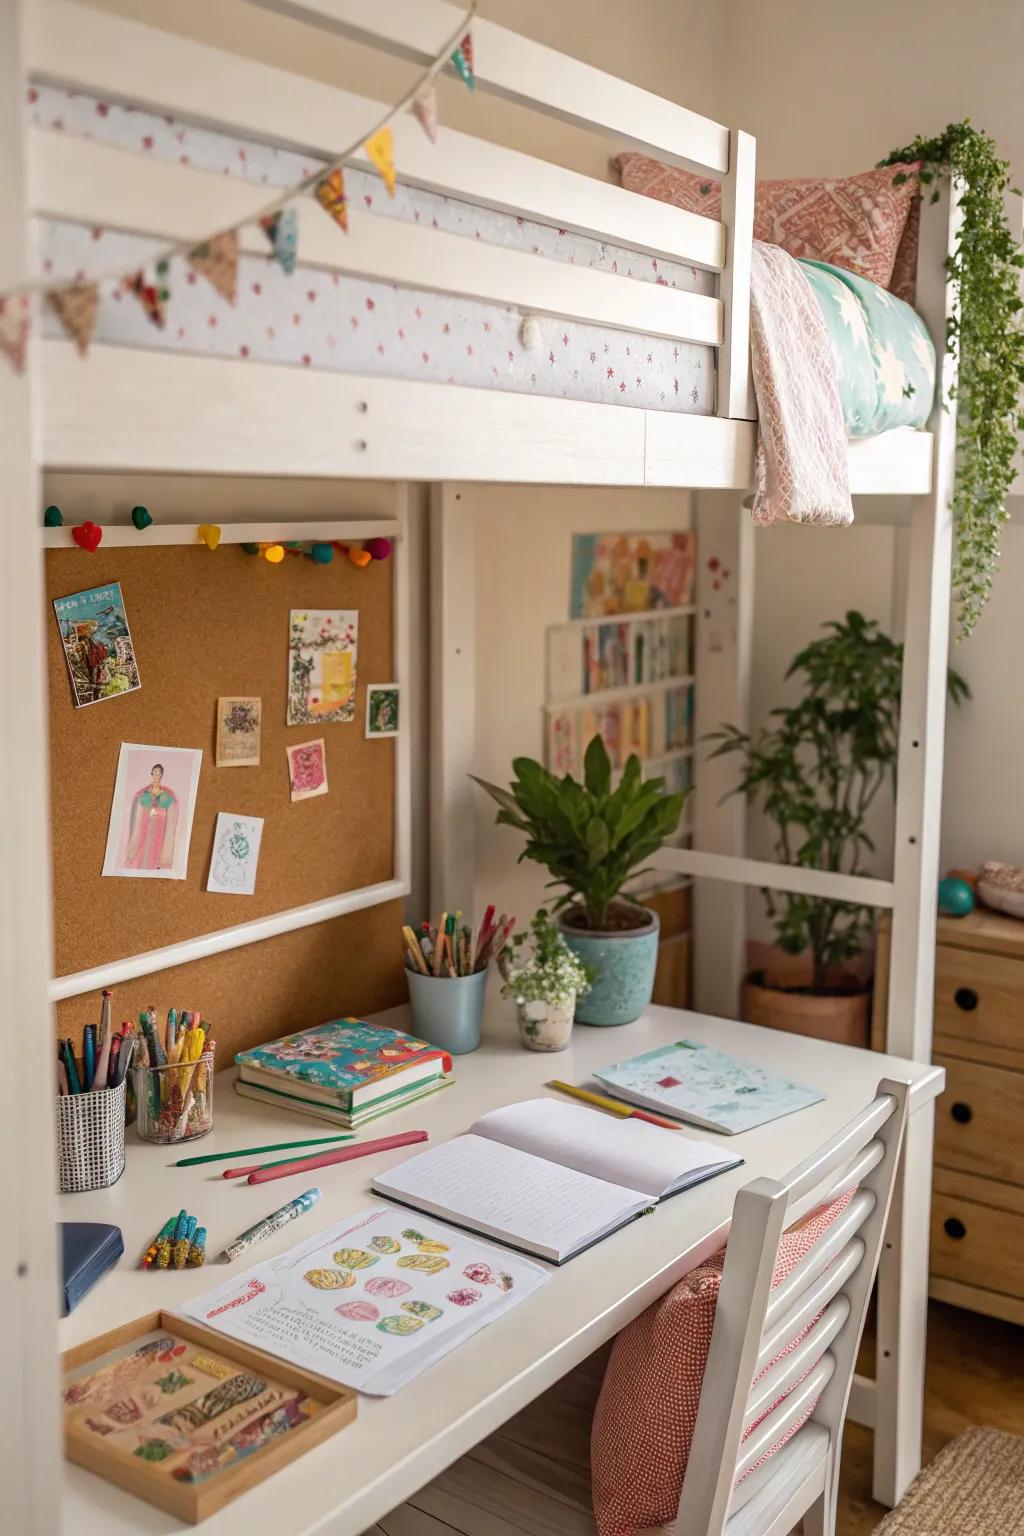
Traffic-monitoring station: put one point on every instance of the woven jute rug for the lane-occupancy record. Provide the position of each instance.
(974, 1487)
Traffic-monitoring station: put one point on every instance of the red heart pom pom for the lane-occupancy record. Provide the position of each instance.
(87, 536)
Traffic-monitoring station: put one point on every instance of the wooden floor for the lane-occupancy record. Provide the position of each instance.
(533, 1477)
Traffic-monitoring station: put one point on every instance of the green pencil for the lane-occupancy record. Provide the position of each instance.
(278, 1146)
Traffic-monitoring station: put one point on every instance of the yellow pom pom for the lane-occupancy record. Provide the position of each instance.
(274, 553)
(209, 533)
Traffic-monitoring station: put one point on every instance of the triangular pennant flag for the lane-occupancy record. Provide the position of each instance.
(462, 58)
(330, 194)
(217, 261)
(381, 150)
(282, 230)
(14, 323)
(75, 308)
(425, 108)
(152, 296)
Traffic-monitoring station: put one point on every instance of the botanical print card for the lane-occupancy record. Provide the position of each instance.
(181, 1408)
(616, 573)
(236, 852)
(307, 769)
(372, 1300)
(382, 709)
(151, 812)
(97, 644)
(238, 732)
(322, 665)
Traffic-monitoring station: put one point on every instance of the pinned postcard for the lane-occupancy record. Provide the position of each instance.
(322, 665)
(151, 812)
(372, 1300)
(307, 769)
(382, 709)
(97, 644)
(238, 732)
(236, 852)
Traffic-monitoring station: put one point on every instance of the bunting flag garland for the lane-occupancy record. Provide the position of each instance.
(76, 308)
(282, 230)
(14, 323)
(425, 108)
(217, 261)
(152, 296)
(381, 150)
(462, 58)
(330, 194)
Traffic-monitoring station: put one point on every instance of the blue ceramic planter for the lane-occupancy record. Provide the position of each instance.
(623, 964)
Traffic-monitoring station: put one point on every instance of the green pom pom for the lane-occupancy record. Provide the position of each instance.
(321, 554)
(250, 549)
(141, 518)
(53, 518)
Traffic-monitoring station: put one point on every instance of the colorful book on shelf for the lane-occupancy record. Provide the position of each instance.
(345, 1065)
(705, 1087)
(346, 1120)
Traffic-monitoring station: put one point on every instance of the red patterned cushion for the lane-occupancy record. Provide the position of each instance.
(855, 222)
(647, 1411)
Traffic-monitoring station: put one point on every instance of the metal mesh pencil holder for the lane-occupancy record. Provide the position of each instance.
(90, 1138)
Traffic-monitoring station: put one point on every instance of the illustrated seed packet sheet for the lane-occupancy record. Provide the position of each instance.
(97, 644)
(236, 851)
(187, 1411)
(238, 732)
(372, 1300)
(322, 646)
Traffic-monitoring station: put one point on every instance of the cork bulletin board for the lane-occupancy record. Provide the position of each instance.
(207, 624)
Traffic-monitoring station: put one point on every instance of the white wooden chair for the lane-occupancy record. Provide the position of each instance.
(753, 1323)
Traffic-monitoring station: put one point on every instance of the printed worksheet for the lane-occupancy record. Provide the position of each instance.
(371, 1300)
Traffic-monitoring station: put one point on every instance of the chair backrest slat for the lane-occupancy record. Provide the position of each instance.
(826, 1293)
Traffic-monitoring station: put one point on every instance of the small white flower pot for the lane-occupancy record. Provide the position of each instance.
(546, 1026)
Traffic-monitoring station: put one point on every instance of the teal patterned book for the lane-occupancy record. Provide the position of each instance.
(706, 1087)
(345, 1062)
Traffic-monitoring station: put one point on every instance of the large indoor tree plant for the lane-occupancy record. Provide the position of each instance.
(816, 770)
(593, 838)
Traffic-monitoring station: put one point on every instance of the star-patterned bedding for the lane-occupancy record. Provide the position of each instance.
(348, 324)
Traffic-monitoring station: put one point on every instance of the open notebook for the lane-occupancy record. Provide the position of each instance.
(550, 1178)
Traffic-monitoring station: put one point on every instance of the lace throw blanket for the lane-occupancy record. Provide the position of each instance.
(801, 468)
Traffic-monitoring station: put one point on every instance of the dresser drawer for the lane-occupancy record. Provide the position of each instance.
(979, 1120)
(977, 1245)
(979, 996)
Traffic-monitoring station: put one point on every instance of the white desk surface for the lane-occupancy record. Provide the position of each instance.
(398, 1444)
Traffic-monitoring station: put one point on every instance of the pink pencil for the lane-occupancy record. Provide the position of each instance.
(341, 1155)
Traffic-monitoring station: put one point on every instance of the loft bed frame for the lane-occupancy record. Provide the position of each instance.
(211, 416)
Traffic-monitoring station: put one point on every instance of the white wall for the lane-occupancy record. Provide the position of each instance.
(831, 89)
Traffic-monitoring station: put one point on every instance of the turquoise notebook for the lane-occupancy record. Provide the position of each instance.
(344, 1063)
(705, 1087)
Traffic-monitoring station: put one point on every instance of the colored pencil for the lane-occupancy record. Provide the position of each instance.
(276, 1146)
(624, 1111)
(340, 1155)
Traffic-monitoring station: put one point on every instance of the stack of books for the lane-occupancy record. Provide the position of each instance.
(347, 1072)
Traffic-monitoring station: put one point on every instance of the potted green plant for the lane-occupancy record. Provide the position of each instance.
(544, 979)
(592, 839)
(815, 770)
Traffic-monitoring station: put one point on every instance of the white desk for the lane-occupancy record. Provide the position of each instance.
(399, 1443)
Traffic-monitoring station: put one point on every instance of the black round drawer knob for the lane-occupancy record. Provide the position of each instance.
(954, 1227)
(962, 1113)
(966, 998)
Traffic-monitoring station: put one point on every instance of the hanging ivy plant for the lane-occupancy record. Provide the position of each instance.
(988, 335)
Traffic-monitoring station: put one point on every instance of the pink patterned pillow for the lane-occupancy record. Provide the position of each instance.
(855, 222)
(647, 1411)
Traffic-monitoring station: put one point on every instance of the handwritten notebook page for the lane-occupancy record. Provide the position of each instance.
(525, 1200)
(625, 1152)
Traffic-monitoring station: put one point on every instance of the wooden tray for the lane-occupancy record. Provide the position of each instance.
(152, 1476)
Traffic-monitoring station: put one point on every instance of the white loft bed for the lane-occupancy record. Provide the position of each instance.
(160, 412)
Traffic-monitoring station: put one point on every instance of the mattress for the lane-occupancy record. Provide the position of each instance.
(333, 321)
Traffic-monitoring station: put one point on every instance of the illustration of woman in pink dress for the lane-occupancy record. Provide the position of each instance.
(152, 825)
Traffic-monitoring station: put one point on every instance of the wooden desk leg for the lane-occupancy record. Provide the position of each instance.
(903, 1317)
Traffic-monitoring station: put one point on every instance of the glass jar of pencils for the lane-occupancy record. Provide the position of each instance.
(174, 1102)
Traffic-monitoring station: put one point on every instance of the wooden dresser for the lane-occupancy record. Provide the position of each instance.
(977, 1250)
